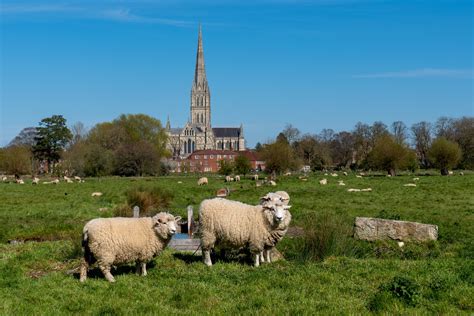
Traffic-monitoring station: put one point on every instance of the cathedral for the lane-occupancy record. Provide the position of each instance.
(198, 134)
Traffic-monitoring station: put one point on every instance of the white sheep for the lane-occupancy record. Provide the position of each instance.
(272, 183)
(341, 183)
(202, 181)
(323, 181)
(228, 179)
(255, 177)
(96, 194)
(353, 190)
(278, 196)
(357, 176)
(55, 181)
(20, 181)
(111, 241)
(4, 179)
(35, 180)
(416, 179)
(409, 185)
(237, 178)
(344, 173)
(366, 190)
(450, 173)
(235, 224)
(334, 175)
(77, 178)
(461, 173)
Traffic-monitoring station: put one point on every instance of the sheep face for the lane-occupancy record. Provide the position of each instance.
(165, 224)
(278, 211)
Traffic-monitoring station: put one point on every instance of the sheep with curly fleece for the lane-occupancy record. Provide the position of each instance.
(203, 181)
(278, 233)
(237, 225)
(112, 241)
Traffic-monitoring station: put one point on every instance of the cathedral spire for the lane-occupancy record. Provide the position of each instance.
(200, 72)
(200, 94)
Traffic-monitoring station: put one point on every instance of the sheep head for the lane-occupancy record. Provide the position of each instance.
(165, 225)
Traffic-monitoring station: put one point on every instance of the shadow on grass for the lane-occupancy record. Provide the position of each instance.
(95, 273)
(222, 255)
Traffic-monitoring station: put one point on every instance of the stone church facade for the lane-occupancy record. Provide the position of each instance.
(198, 134)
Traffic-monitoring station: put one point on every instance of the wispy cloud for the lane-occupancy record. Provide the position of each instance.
(88, 12)
(422, 73)
(125, 15)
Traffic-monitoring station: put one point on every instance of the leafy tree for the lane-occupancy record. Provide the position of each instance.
(282, 139)
(278, 156)
(444, 154)
(258, 147)
(137, 159)
(362, 135)
(464, 136)
(242, 165)
(51, 139)
(342, 149)
(389, 155)
(226, 167)
(98, 161)
(313, 152)
(16, 160)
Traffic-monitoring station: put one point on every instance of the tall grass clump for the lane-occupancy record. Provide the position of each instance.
(327, 235)
(150, 200)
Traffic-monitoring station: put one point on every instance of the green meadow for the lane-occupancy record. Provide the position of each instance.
(324, 271)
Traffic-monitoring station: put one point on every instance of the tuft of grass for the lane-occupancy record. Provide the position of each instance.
(150, 200)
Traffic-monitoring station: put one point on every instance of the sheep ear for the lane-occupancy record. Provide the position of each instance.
(287, 207)
(177, 218)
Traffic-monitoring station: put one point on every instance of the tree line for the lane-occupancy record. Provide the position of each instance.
(130, 145)
(447, 143)
(135, 145)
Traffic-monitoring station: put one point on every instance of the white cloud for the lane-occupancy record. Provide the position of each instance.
(422, 73)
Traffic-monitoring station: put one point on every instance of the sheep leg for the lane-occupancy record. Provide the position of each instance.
(262, 256)
(106, 271)
(268, 254)
(257, 259)
(206, 256)
(143, 264)
(83, 271)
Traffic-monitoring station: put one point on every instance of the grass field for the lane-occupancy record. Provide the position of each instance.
(350, 277)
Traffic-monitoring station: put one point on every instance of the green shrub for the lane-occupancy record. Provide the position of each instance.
(404, 289)
(327, 235)
(150, 200)
(380, 301)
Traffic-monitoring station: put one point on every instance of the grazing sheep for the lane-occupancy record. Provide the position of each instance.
(357, 176)
(323, 181)
(223, 192)
(35, 180)
(287, 174)
(409, 185)
(334, 175)
(362, 173)
(235, 224)
(272, 183)
(4, 179)
(20, 181)
(96, 194)
(461, 173)
(401, 244)
(111, 241)
(179, 182)
(203, 181)
(416, 179)
(341, 183)
(366, 190)
(344, 173)
(255, 177)
(55, 181)
(353, 190)
(77, 178)
(237, 178)
(326, 174)
(450, 173)
(228, 179)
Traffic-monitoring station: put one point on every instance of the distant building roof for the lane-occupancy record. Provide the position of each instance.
(215, 152)
(226, 131)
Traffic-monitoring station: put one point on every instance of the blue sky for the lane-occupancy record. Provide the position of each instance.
(314, 64)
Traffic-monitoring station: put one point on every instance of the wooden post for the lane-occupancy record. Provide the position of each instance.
(136, 212)
(190, 221)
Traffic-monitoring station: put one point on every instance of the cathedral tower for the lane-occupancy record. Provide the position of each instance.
(200, 94)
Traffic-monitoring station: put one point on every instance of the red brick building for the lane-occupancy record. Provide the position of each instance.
(208, 160)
